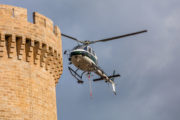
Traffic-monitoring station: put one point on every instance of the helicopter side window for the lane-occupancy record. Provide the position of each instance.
(89, 50)
(85, 48)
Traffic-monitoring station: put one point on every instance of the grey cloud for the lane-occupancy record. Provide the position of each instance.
(149, 63)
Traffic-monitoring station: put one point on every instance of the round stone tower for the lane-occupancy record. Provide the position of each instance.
(30, 65)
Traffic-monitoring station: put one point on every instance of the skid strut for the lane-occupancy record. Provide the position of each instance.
(76, 75)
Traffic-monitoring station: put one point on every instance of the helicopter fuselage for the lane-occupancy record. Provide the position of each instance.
(84, 58)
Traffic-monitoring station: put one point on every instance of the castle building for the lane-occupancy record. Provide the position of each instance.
(30, 65)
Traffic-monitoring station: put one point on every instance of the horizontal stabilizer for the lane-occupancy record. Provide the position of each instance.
(101, 78)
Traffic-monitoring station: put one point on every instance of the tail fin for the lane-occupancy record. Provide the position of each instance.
(113, 87)
(112, 82)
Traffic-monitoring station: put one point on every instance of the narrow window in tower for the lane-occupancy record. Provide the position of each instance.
(44, 22)
(0, 42)
(8, 40)
(27, 48)
(42, 55)
(13, 12)
(18, 46)
(35, 51)
(34, 16)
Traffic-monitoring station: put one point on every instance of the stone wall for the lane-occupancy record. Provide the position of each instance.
(30, 65)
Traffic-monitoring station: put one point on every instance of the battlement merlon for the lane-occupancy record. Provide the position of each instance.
(17, 12)
(41, 20)
(21, 14)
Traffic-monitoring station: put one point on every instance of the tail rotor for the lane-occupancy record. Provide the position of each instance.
(109, 79)
(112, 82)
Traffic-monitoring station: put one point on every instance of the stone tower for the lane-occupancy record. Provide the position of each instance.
(30, 65)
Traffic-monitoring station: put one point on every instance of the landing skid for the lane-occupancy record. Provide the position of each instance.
(76, 75)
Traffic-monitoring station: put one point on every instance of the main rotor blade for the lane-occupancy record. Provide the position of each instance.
(71, 37)
(118, 37)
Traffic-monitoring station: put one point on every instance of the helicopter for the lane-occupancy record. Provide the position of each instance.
(84, 58)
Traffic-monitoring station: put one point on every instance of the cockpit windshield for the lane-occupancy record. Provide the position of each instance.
(76, 47)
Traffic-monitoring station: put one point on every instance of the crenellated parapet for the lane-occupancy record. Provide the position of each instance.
(38, 43)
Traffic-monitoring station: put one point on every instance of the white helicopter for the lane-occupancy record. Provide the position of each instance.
(84, 58)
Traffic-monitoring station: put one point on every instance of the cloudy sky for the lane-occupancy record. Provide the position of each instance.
(149, 88)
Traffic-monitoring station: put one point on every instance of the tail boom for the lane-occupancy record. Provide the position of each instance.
(109, 79)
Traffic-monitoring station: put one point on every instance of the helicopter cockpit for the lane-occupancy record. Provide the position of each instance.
(86, 48)
(90, 50)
